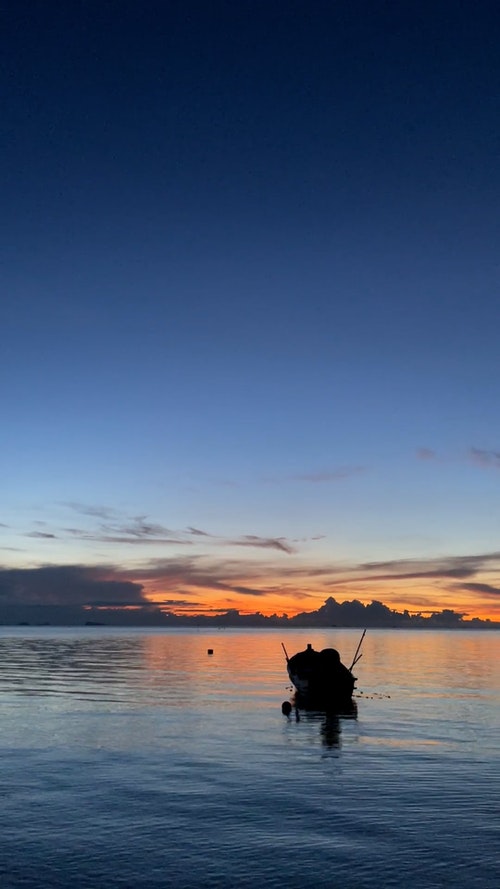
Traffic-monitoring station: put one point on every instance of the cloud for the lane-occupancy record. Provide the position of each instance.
(278, 543)
(132, 530)
(199, 572)
(41, 534)
(151, 534)
(485, 459)
(102, 537)
(181, 581)
(139, 527)
(68, 585)
(484, 588)
(138, 530)
(445, 566)
(238, 576)
(179, 603)
(102, 512)
(243, 590)
(426, 454)
(443, 571)
(345, 575)
(414, 601)
(117, 535)
(120, 529)
(296, 581)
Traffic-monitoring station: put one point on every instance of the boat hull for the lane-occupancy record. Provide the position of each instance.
(321, 681)
(347, 708)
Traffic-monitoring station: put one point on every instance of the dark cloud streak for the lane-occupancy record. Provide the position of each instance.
(101, 512)
(278, 543)
(484, 589)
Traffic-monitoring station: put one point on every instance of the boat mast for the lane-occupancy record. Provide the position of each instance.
(356, 656)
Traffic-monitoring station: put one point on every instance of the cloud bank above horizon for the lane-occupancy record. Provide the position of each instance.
(199, 583)
(202, 570)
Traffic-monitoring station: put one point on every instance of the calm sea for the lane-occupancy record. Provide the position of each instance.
(135, 759)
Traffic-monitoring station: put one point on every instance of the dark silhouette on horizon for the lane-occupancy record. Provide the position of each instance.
(347, 614)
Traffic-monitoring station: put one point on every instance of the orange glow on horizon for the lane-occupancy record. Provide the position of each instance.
(410, 596)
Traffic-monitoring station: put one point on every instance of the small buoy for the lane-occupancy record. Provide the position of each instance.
(210, 651)
(286, 708)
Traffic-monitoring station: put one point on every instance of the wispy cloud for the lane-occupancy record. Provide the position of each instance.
(186, 582)
(485, 589)
(432, 574)
(279, 543)
(484, 459)
(199, 572)
(119, 529)
(234, 575)
(179, 603)
(202, 566)
(139, 530)
(123, 534)
(481, 457)
(101, 512)
(422, 569)
(426, 454)
(242, 590)
(139, 527)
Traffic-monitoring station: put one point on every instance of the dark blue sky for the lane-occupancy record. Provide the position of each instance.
(250, 265)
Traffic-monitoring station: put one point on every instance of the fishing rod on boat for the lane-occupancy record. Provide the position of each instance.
(286, 655)
(357, 656)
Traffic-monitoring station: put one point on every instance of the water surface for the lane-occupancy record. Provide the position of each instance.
(134, 758)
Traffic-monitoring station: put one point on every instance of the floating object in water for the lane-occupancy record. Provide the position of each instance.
(321, 679)
(210, 651)
(286, 708)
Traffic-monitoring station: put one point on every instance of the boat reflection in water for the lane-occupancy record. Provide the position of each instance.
(331, 731)
(330, 723)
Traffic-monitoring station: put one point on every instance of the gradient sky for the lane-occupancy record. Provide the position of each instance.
(250, 310)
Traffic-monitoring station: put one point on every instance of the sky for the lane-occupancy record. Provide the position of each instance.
(250, 314)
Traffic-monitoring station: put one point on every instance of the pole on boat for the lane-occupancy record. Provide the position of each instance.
(356, 657)
(286, 655)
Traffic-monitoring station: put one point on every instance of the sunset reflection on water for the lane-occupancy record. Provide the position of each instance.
(113, 740)
(244, 663)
